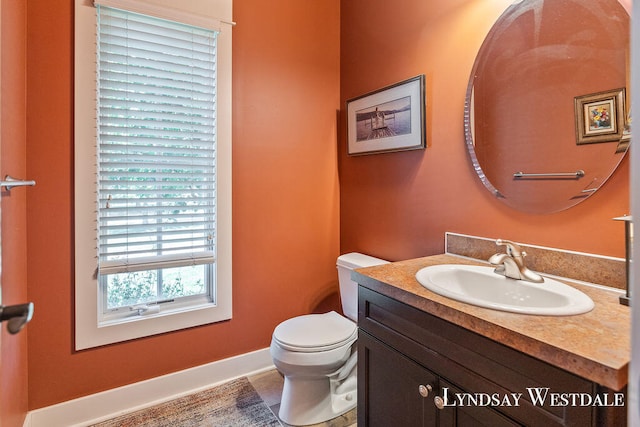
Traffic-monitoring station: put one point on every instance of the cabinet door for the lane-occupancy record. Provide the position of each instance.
(470, 416)
(389, 387)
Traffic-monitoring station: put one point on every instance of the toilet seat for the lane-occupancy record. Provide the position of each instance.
(313, 333)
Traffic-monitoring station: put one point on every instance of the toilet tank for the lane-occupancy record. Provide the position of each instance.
(348, 288)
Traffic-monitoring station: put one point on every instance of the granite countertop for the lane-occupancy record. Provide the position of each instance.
(594, 345)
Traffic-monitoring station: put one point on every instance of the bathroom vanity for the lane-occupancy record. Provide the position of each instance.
(428, 360)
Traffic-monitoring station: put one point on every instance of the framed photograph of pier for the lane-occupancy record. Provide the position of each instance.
(389, 119)
(600, 117)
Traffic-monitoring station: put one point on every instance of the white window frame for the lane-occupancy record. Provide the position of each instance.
(90, 332)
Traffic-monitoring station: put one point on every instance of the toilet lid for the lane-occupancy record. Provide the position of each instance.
(315, 332)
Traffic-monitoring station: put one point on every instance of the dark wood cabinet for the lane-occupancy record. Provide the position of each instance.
(409, 391)
(470, 415)
(398, 380)
(412, 366)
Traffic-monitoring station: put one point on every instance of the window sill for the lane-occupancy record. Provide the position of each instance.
(164, 311)
(118, 330)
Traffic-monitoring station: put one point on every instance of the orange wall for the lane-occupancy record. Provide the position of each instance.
(285, 196)
(13, 359)
(399, 205)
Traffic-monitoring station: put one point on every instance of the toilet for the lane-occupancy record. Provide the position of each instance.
(316, 354)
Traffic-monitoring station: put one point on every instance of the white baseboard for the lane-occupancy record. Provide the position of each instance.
(111, 403)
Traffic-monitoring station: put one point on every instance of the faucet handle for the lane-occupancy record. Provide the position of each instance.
(513, 249)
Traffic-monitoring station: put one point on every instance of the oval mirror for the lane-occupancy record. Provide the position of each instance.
(545, 114)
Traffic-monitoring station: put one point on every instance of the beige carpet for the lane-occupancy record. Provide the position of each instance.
(232, 404)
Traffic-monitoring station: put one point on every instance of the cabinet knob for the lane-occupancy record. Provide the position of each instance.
(424, 390)
(439, 402)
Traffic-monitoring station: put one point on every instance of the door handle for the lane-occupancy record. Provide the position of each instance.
(11, 182)
(16, 315)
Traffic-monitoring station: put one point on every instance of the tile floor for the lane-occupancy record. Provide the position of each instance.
(269, 387)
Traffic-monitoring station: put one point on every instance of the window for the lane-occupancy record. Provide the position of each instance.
(160, 164)
(156, 162)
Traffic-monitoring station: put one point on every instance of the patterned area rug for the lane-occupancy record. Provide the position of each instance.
(232, 404)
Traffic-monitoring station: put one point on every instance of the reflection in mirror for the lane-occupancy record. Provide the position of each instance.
(539, 63)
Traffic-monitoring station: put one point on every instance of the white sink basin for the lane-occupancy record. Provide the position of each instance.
(482, 287)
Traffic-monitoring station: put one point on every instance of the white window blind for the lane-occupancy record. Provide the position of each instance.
(176, 13)
(156, 143)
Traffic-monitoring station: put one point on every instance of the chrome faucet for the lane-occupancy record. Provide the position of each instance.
(511, 264)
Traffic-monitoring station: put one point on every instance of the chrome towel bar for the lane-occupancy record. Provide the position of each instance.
(10, 182)
(576, 174)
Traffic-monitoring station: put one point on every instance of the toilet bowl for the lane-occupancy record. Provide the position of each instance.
(317, 355)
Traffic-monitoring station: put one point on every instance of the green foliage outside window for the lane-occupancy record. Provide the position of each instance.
(139, 287)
